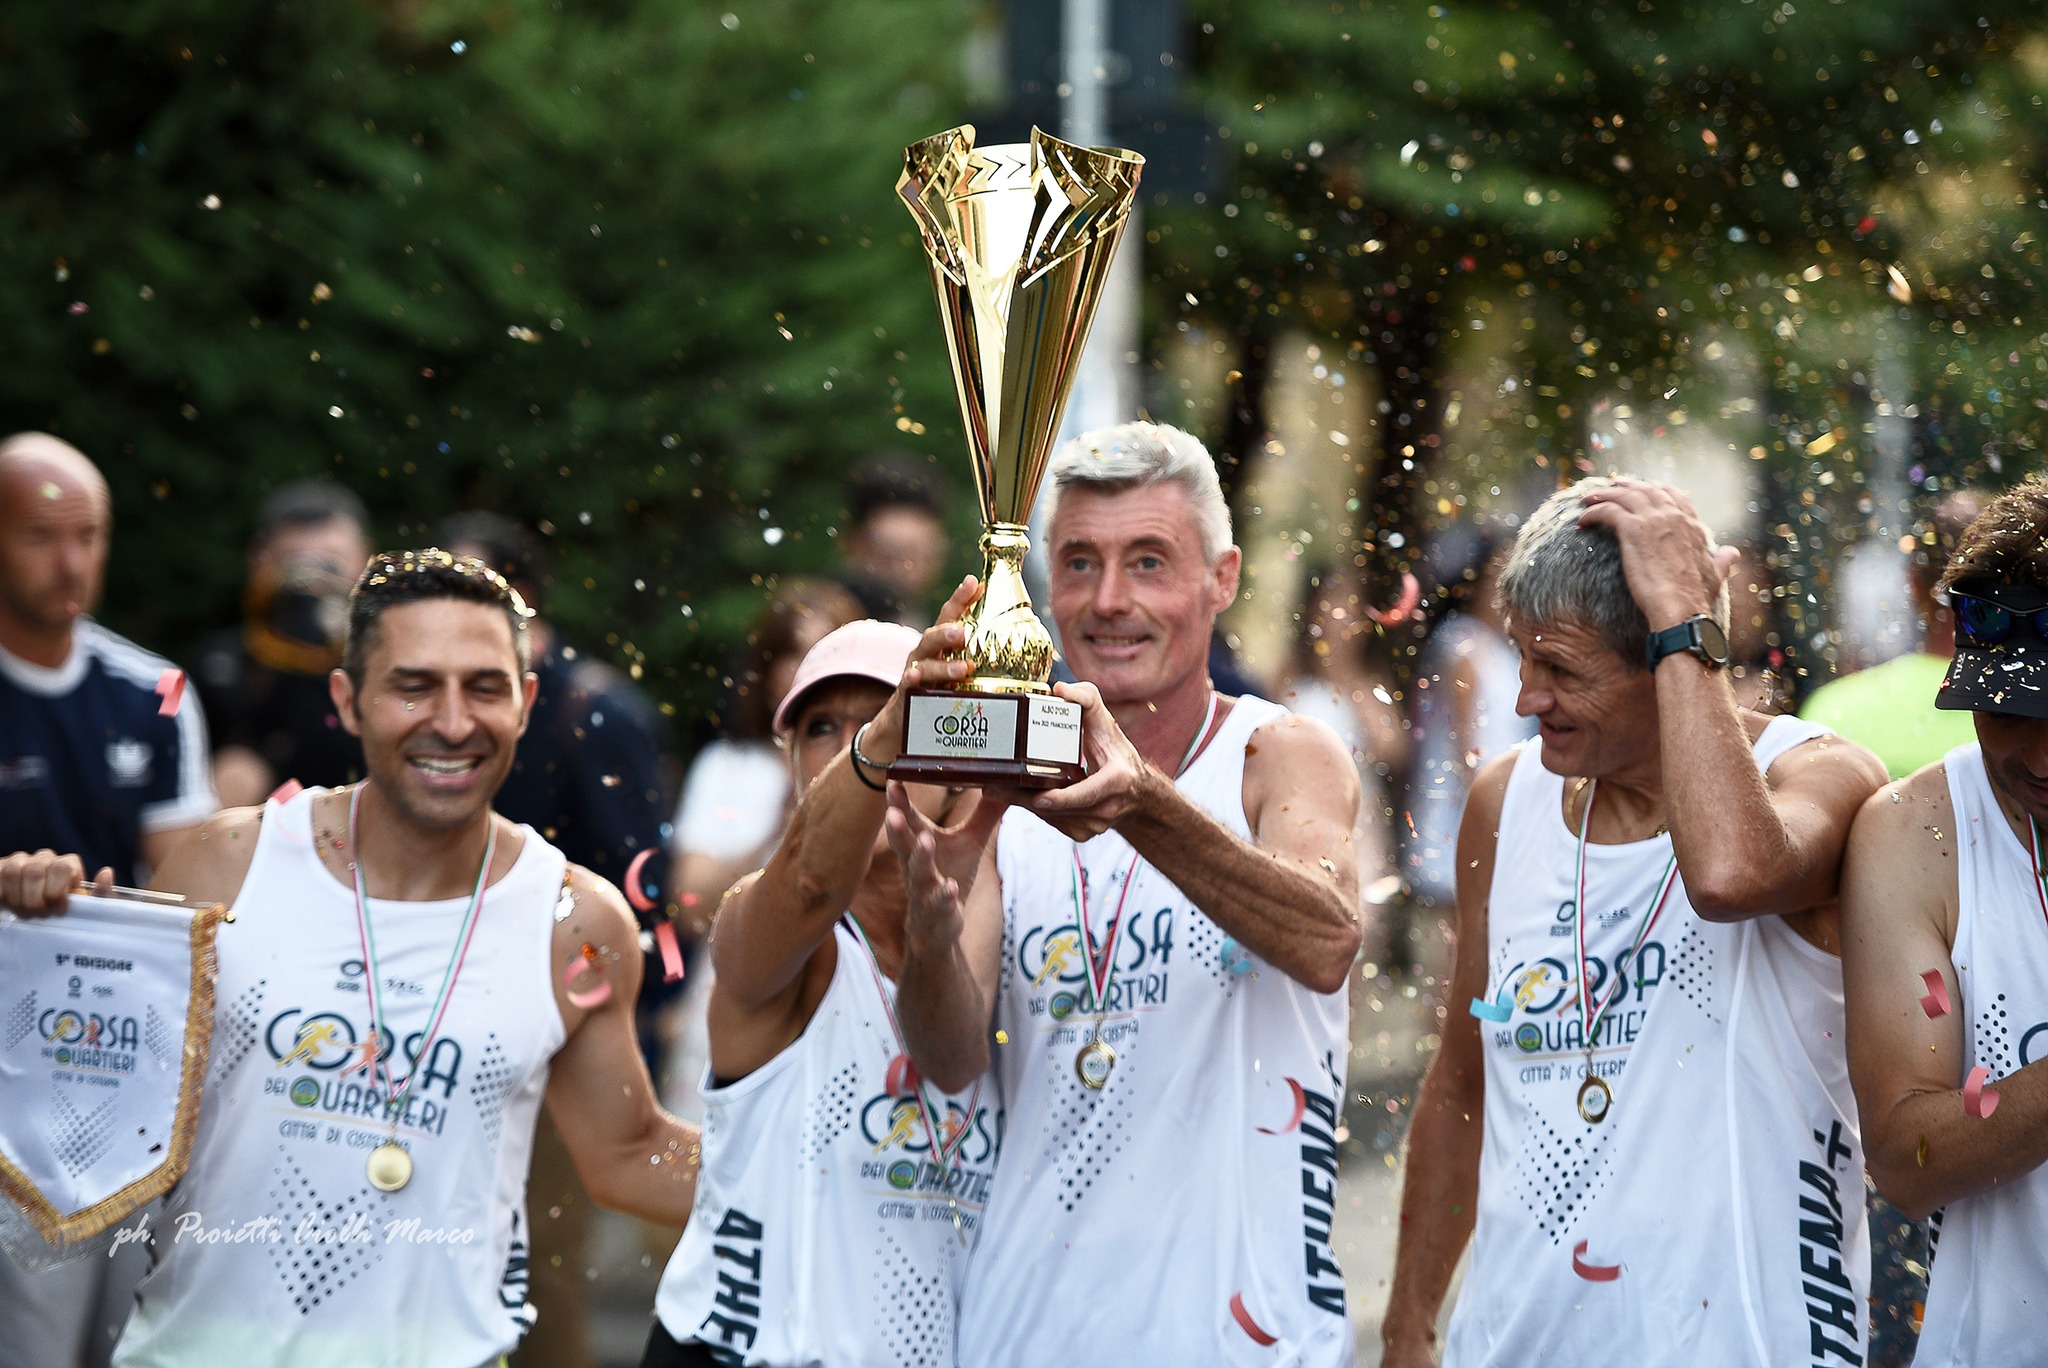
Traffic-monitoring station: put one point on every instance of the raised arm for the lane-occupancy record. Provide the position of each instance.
(771, 925)
(1749, 844)
(1290, 894)
(1442, 1189)
(631, 1155)
(1746, 846)
(953, 933)
(1898, 922)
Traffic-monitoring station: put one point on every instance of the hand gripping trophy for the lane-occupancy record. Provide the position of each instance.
(1019, 238)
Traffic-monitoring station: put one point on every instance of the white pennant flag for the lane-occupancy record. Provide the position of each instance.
(106, 1014)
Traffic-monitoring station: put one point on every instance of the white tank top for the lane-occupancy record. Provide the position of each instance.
(274, 1248)
(1989, 1282)
(1726, 1181)
(1181, 1214)
(822, 1232)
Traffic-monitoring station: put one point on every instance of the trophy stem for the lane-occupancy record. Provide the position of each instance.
(1010, 648)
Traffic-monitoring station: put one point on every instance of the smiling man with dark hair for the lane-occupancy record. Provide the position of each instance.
(408, 977)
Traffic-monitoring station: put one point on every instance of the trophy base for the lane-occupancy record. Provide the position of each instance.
(970, 739)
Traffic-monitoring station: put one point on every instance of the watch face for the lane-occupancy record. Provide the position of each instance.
(1713, 641)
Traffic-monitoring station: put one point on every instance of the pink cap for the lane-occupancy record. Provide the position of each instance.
(860, 650)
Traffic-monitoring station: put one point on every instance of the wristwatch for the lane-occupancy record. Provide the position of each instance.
(1701, 635)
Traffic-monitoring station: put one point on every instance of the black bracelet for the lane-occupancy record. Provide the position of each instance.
(861, 764)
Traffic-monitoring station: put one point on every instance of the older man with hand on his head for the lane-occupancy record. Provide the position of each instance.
(1642, 1122)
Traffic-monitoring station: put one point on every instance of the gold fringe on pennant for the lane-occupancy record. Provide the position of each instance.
(61, 1230)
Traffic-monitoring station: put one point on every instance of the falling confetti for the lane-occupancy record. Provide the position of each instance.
(1935, 1003)
(1235, 957)
(170, 687)
(902, 1078)
(671, 953)
(1247, 1324)
(1300, 1106)
(585, 998)
(1589, 1271)
(1978, 1100)
(636, 892)
(1500, 1009)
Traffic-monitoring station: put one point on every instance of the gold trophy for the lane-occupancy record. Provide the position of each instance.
(1019, 238)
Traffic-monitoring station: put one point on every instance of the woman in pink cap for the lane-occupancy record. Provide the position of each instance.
(840, 1193)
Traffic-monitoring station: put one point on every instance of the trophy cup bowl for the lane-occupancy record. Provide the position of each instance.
(1019, 238)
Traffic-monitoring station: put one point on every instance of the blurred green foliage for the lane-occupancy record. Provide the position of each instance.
(635, 271)
(1783, 218)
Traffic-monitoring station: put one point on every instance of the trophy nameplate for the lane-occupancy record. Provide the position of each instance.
(1028, 740)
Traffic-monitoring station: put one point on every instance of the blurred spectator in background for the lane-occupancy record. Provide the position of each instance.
(264, 683)
(1754, 640)
(736, 801)
(1334, 678)
(737, 796)
(88, 765)
(1227, 670)
(895, 541)
(1890, 707)
(1466, 684)
(592, 774)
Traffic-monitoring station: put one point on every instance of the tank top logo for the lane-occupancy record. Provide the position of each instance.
(899, 1150)
(1050, 959)
(334, 1063)
(1546, 998)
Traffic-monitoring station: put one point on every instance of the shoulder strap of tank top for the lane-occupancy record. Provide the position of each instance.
(1966, 779)
(1247, 714)
(286, 829)
(1531, 788)
(1969, 788)
(1783, 734)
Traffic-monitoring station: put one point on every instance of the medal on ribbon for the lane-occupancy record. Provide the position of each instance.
(389, 1166)
(1097, 1059)
(1596, 1098)
(902, 1078)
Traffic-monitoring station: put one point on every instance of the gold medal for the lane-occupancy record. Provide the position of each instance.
(1595, 1097)
(389, 1167)
(1094, 1063)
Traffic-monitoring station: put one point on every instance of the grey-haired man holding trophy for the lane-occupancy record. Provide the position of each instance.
(1152, 956)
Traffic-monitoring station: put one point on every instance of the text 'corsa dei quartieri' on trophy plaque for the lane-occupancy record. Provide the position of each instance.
(1019, 238)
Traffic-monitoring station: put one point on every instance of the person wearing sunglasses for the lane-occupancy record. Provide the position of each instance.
(1945, 959)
